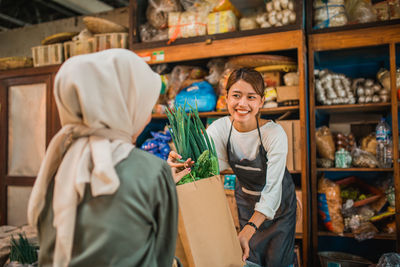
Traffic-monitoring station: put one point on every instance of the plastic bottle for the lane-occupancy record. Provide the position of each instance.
(384, 144)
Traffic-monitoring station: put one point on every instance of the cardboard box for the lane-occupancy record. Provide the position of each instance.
(288, 127)
(297, 145)
(285, 93)
(299, 211)
(343, 123)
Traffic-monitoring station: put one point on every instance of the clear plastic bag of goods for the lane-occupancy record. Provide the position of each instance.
(248, 23)
(389, 259)
(329, 13)
(216, 68)
(186, 24)
(325, 143)
(330, 205)
(359, 11)
(220, 22)
(150, 34)
(157, 12)
(179, 74)
(363, 159)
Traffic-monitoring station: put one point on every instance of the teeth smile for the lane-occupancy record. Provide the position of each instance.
(242, 111)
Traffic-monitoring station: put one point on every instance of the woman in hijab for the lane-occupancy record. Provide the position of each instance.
(97, 200)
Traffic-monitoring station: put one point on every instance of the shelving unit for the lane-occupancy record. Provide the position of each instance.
(350, 38)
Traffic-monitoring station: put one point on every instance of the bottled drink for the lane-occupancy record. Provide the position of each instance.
(384, 144)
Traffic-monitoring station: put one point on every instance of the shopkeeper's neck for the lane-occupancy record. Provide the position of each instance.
(245, 126)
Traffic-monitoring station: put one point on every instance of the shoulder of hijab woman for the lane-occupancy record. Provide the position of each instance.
(142, 162)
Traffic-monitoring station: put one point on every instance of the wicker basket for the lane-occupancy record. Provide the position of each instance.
(79, 47)
(45, 55)
(8, 63)
(98, 25)
(111, 40)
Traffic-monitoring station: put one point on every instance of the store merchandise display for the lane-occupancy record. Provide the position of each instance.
(99, 34)
(334, 13)
(170, 20)
(335, 89)
(206, 84)
(351, 205)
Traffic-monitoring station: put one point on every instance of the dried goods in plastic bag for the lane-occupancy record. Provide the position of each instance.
(216, 68)
(179, 74)
(157, 12)
(363, 159)
(368, 144)
(330, 205)
(186, 24)
(359, 11)
(389, 259)
(330, 13)
(150, 34)
(325, 144)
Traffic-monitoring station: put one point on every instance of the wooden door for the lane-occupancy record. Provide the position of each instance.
(28, 120)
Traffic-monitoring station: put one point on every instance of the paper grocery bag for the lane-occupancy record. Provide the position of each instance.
(206, 230)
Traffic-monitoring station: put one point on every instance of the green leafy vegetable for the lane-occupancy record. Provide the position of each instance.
(191, 141)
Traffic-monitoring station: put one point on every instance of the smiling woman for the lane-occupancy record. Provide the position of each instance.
(256, 151)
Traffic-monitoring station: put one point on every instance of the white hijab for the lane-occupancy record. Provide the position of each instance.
(103, 99)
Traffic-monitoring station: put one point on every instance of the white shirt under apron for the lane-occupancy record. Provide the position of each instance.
(245, 145)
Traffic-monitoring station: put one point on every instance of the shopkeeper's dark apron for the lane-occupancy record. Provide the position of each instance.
(273, 244)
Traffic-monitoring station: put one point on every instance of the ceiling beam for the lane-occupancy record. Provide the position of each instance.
(56, 8)
(13, 20)
(86, 6)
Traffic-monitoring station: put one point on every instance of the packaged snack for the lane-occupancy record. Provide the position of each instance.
(325, 144)
(220, 22)
(330, 205)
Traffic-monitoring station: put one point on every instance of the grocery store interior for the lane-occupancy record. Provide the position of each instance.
(331, 73)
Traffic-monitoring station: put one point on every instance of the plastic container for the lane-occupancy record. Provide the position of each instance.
(45, 55)
(384, 144)
(341, 259)
(111, 40)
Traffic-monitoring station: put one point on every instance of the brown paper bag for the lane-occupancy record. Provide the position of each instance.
(206, 229)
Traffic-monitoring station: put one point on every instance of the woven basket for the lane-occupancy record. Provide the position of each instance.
(98, 25)
(8, 63)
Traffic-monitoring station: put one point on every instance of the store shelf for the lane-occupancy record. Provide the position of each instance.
(263, 111)
(355, 169)
(299, 236)
(354, 108)
(350, 235)
(227, 172)
(265, 43)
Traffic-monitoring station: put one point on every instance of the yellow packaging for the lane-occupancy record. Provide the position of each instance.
(220, 22)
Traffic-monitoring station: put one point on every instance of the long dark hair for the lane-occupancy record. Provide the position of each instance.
(253, 77)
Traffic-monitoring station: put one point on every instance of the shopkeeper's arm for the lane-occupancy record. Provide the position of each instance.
(248, 231)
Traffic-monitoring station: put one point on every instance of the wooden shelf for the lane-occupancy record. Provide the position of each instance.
(228, 172)
(263, 111)
(354, 107)
(299, 236)
(350, 235)
(265, 43)
(355, 169)
(372, 36)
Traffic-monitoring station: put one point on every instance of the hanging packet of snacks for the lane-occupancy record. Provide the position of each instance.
(330, 13)
(186, 24)
(330, 205)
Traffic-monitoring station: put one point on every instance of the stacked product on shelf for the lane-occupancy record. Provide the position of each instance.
(334, 13)
(182, 19)
(206, 86)
(334, 88)
(99, 34)
(350, 205)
